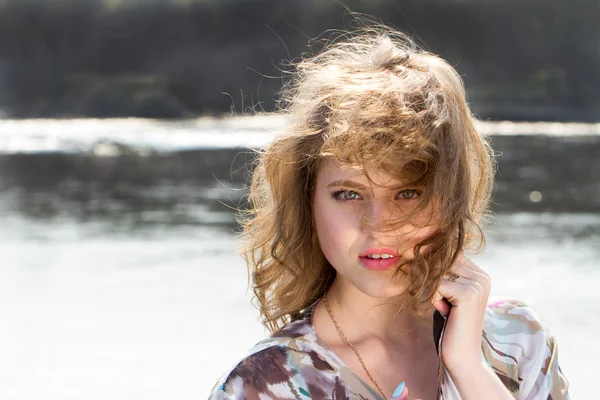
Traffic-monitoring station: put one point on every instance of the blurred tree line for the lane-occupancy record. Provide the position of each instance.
(521, 60)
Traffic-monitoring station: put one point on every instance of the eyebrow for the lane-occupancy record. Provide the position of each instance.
(350, 184)
(356, 185)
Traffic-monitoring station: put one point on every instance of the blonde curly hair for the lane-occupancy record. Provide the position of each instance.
(375, 100)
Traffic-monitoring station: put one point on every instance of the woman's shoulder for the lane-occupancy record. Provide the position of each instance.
(259, 372)
(272, 368)
(506, 316)
(520, 347)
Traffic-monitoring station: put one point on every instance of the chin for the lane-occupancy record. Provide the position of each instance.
(380, 290)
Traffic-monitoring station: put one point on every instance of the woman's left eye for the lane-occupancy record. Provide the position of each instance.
(409, 194)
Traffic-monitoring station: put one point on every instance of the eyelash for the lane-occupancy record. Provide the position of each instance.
(337, 195)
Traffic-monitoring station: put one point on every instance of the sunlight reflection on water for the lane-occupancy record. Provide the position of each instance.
(161, 311)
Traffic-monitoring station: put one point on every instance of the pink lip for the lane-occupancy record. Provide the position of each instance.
(378, 250)
(378, 264)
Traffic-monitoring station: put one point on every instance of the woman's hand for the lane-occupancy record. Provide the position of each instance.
(461, 344)
(468, 294)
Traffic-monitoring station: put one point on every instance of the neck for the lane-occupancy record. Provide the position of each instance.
(363, 317)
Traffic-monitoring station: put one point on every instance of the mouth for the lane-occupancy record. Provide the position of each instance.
(378, 264)
(379, 258)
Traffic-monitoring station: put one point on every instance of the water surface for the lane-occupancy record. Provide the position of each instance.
(120, 278)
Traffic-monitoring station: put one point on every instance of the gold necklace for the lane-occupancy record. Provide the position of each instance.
(352, 347)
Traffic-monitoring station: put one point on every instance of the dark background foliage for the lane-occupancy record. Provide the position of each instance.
(521, 60)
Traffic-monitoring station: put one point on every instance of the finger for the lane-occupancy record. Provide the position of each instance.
(441, 304)
(461, 291)
(401, 392)
(467, 273)
(463, 261)
(447, 290)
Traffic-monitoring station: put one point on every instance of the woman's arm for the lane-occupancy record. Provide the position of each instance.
(463, 298)
(525, 340)
(479, 382)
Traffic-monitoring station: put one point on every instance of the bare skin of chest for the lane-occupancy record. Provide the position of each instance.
(420, 373)
(411, 359)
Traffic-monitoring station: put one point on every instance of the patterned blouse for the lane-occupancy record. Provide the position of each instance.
(295, 364)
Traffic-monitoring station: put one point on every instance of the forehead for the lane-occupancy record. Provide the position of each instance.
(331, 170)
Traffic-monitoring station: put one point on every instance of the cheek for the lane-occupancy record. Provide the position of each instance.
(416, 236)
(335, 228)
(420, 234)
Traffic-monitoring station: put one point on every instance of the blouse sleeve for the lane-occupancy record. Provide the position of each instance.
(523, 351)
(264, 374)
(542, 376)
(545, 379)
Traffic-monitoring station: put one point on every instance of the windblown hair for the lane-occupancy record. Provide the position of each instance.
(374, 100)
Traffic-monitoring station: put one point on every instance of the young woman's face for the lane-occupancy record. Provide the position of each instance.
(350, 216)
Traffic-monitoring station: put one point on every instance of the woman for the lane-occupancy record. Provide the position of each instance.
(361, 215)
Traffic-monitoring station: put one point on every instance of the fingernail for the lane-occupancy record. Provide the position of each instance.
(398, 390)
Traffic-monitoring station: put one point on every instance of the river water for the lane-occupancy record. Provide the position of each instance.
(147, 299)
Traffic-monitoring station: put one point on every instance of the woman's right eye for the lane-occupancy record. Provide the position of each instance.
(346, 195)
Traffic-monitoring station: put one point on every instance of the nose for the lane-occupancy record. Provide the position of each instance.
(377, 214)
